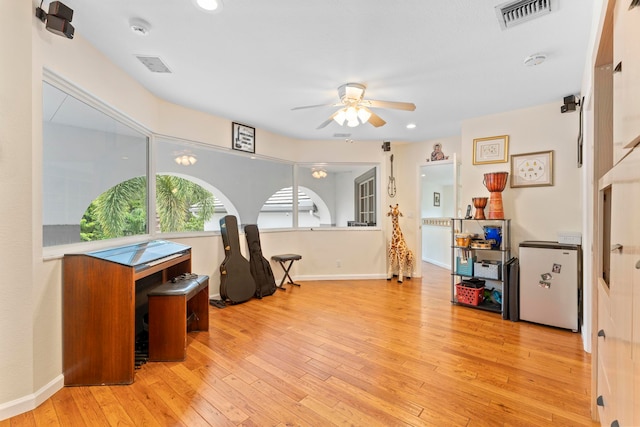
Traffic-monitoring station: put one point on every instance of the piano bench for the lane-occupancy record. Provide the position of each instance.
(176, 308)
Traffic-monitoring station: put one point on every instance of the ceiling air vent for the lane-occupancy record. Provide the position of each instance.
(341, 135)
(517, 12)
(154, 64)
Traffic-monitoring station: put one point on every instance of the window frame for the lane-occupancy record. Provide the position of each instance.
(50, 252)
(361, 182)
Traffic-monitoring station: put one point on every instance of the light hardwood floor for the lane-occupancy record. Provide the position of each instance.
(354, 353)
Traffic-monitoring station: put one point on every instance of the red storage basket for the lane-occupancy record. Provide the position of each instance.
(470, 296)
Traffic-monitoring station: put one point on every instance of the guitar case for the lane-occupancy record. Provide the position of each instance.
(236, 282)
(260, 267)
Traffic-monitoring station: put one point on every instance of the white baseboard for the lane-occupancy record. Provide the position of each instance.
(438, 263)
(339, 277)
(32, 401)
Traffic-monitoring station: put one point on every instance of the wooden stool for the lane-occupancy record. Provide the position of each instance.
(282, 259)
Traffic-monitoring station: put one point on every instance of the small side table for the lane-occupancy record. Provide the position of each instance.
(282, 259)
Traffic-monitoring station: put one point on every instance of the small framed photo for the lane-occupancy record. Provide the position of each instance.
(493, 149)
(243, 138)
(532, 169)
(436, 199)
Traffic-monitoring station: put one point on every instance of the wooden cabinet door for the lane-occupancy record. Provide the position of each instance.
(625, 285)
(626, 80)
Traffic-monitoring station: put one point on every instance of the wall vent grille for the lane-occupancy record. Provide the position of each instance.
(517, 12)
(154, 64)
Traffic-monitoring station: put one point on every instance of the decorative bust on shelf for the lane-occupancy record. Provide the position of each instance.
(437, 153)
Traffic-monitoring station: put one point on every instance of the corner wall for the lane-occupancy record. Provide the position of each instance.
(16, 255)
(537, 213)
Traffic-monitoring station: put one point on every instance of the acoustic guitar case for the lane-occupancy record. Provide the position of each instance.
(236, 282)
(260, 267)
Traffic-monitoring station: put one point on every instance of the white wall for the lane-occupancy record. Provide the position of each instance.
(537, 213)
(18, 296)
(412, 157)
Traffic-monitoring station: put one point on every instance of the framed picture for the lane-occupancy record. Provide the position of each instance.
(243, 138)
(532, 169)
(436, 199)
(493, 149)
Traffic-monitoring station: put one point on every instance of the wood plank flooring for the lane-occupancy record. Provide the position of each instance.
(349, 353)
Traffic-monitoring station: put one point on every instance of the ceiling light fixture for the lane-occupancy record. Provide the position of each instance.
(185, 158)
(411, 126)
(318, 173)
(353, 115)
(210, 5)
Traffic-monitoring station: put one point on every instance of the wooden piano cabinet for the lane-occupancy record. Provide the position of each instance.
(99, 314)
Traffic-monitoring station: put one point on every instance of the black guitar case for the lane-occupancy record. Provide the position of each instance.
(236, 283)
(260, 267)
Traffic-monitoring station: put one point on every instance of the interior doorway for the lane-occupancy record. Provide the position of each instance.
(438, 204)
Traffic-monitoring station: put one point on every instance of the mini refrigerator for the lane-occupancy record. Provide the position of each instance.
(550, 283)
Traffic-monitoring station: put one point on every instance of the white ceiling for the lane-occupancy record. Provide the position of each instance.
(257, 59)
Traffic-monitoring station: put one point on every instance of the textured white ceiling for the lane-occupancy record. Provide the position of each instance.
(257, 59)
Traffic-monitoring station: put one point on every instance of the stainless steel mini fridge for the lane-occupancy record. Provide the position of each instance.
(550, 283)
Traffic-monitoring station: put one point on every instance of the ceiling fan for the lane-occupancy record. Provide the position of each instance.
(355, 109)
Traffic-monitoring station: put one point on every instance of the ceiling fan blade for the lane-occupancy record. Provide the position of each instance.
(376, 120)
(329, 120)
(407, 106)
(315, 106)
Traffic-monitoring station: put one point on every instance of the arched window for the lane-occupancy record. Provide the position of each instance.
(181, 205)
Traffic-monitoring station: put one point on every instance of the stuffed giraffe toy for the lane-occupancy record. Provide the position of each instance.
(399, 255)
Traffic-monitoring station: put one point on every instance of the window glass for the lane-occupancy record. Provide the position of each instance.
(339, 195)
(240, 184)
(365, 193)
(85, 153)
(277, 212)
(95, 181)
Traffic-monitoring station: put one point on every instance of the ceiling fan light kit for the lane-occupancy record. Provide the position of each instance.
(355, 109)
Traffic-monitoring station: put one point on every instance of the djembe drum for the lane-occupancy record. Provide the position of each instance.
(495, 183)
(479, 203)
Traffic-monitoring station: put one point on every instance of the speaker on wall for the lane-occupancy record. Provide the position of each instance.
(60, 26)
(58, 20)
(570, 104)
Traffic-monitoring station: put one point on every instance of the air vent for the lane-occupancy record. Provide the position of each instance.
(154, 64)
(517, 12)
(341, 135)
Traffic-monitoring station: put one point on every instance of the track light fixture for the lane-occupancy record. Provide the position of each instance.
(58, 19)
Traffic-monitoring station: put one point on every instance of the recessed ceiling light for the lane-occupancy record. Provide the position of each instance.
(209, 5)
(411, 126)
(535, 59)
(139, 26)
